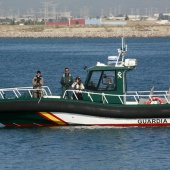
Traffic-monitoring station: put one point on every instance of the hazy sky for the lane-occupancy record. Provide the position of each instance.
(94, 6)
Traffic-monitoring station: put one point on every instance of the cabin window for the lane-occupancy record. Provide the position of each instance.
(101, 80)
(94, 80)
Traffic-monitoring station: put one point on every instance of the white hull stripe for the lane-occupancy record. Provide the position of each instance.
(72, 118)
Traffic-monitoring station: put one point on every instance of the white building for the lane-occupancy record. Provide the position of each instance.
(134, 17)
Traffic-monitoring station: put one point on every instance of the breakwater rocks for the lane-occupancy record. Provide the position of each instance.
(84, 32)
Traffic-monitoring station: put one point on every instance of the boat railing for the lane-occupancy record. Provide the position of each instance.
(131, 97)
(21, 91)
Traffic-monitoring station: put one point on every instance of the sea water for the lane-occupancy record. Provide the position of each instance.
(83, 147)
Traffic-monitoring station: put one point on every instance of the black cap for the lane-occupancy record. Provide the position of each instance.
(38, 71)
(78, 78)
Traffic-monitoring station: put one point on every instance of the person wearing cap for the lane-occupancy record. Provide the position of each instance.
(66, 82)
(37, 84)
(78, 87)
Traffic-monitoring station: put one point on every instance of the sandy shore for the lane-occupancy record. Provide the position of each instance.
(37, 31)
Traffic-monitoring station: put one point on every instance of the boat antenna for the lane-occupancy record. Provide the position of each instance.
(124, 46)
(122, 42)
(121, 53)
(122, 37)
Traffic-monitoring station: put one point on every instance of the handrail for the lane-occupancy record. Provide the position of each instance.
(17, 91)
(133, 95)
(43, 87)
(136, 95)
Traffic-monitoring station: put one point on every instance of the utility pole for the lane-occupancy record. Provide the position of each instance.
(110, 13)
(137, 11)
(46, 5)
(54, 13)
(86, 12)
(81, 13)
(115, 11)
(0, 9)
(146, 10)
(119, 10)
(102, 13)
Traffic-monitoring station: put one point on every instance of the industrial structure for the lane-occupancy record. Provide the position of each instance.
(50, 14)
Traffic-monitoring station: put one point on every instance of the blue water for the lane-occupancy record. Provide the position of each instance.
(83, 148)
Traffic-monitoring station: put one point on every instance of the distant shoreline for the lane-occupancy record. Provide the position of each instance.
(40, 31)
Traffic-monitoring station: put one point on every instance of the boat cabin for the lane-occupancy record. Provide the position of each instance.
(108, 80)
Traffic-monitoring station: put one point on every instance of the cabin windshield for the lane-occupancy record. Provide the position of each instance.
(101, 80)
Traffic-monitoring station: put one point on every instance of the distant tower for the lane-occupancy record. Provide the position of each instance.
(119, 10)
(53, 13)
(146, 10)
(102, 13)
(115, 11)
(46, 5)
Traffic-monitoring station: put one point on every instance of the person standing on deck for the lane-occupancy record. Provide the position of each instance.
(78, 87)
(37, 84)
(66, 82)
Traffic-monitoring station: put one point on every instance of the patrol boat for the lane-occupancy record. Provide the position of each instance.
(106, 101)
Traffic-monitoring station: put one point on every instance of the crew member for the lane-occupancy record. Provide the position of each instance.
(78, 86)
(66, 82)
(37, 84)
(110, 85)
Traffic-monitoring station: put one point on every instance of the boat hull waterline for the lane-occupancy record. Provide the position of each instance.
(72, 113)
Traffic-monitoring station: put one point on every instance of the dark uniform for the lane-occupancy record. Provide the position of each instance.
(66, 82)
(37, 84)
